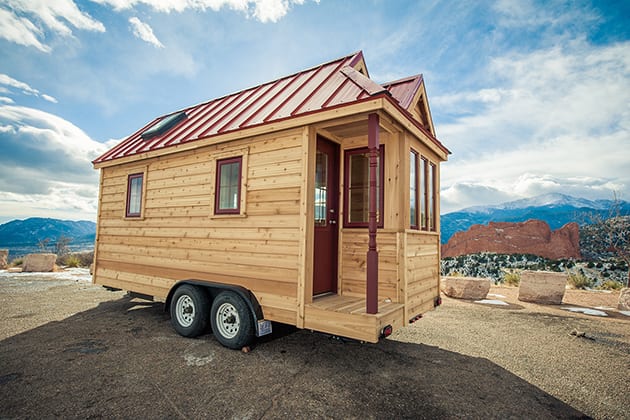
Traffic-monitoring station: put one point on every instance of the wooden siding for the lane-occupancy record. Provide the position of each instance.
(422, 270)
(354, 245)
(179, 237)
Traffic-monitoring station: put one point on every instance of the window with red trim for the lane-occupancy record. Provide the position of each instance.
(413, 190)
(357, 187)
(422, 192)
(134, 195)
(228, 186)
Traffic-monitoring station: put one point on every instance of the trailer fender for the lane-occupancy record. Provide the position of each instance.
(215, 288)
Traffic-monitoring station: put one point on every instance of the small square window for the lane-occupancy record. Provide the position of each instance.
(134, 195)
(228, 186)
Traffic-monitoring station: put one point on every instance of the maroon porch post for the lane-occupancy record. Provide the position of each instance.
(372, 254)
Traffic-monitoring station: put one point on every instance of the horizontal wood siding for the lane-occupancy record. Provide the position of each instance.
(179, 237)
(354, 246)
(422, 267)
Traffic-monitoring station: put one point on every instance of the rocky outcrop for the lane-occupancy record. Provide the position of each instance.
(39, 263)
(531, 237)
(466, 287)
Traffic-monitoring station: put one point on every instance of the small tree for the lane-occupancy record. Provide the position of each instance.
(42, 244)
(611, 234)
(61, 246)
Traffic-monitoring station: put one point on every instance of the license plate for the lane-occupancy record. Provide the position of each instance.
(264, 327)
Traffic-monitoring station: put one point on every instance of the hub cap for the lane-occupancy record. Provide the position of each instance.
(228, 321)
(185, 311)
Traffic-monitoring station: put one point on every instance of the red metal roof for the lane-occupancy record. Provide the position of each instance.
(318, 88)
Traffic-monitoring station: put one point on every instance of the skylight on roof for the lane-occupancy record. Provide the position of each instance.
(164, 125)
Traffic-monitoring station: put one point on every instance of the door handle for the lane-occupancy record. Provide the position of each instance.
(332, 222)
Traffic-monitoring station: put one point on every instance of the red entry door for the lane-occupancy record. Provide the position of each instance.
(326, 217)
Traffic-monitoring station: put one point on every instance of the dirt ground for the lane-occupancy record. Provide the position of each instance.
(73, 350)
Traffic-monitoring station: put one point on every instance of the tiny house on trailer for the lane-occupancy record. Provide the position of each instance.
(311, 200)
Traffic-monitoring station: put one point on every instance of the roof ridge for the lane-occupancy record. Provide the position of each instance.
(355, 54)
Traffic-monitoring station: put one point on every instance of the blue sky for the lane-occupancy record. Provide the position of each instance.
(530, 96)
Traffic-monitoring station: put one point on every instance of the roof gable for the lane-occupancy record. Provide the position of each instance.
(339, 82)
(411, 95)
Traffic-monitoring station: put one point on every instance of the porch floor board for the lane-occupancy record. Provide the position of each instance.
(351, 305)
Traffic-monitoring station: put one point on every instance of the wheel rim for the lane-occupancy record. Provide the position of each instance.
(185, 311)
(228, 321)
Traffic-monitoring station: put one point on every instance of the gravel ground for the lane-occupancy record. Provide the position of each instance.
(534, 342)
(73, 350)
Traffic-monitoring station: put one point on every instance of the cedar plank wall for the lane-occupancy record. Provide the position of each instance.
(409, 260)
(178, 237)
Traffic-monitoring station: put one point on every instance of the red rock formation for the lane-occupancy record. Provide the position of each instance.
(531, 237)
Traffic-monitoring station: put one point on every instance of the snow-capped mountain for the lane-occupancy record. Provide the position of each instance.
(555, 209)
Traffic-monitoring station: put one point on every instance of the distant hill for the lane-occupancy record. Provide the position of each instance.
(555, 209)
(29, 232)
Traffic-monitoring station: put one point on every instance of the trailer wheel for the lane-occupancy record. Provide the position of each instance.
(189, 310)
(231, 320)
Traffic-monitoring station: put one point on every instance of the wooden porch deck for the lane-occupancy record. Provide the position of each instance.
(351, 305)
(345, 316)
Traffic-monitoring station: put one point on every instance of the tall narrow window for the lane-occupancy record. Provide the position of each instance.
(357, 187)
(431, 200)
(413, 190)
(424, 164)
(321, 188)
(228, 194)
(134, 195)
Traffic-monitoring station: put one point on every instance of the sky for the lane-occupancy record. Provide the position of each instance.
(531, 97)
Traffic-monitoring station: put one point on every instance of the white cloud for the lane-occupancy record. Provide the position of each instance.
(20, 30)
(45, 167)
(24, 88)
(6, 100)
(22, 21)
(144, 32)
(528, 14)
(555, 120)
(262, 10)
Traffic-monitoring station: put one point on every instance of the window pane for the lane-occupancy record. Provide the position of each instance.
(359, 187)
(431, 202)
(413, 189)
(134, 198)
(321, 188)
(423, 193)
(229, 178)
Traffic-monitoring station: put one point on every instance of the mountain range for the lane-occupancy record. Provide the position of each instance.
(555, 209)
(29, 232)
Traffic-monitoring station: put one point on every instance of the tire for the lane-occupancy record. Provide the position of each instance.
(232, 321)
(189, 310)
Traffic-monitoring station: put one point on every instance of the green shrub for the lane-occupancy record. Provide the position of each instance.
(73, 261)
(512, 278)
(579, 281)
(17, 262)
(610, 285)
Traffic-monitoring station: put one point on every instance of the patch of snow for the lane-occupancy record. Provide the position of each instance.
(75, 274)
(587, 311)
(496, 295)
(626, 313)
(605, 308)
(491, 302)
